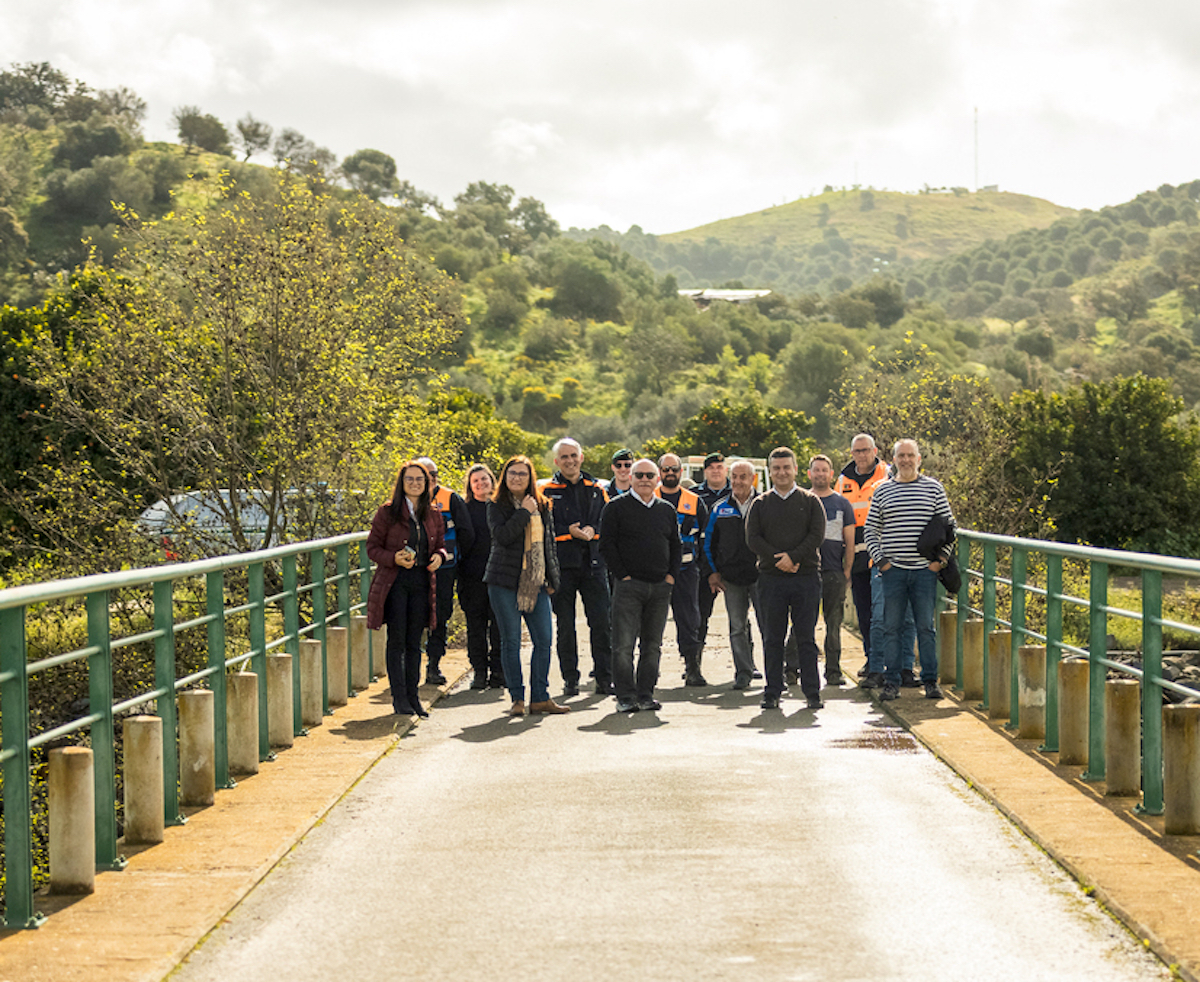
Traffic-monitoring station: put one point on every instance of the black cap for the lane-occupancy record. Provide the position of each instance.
(623, 454)
(714, 458)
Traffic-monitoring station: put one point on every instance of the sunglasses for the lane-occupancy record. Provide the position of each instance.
(623, 464)
(644, 475)
(669, 470)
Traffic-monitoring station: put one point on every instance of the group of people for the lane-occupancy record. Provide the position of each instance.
(641, 545)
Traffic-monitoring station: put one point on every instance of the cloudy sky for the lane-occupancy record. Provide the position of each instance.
(670, 114)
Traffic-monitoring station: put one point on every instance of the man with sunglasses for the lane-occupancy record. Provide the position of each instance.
(622, 472)
(692, 515)
(639, 541)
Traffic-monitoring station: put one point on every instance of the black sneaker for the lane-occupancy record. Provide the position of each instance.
(649, 704)
(479, 681)
(769, 702)
(791, 676)
(570, 688)
(627, 706)
(814, 702)
(695, 680)
(835, 680)
(435, 678)
(933, 691)
(908, 680)
(889, 693)
(604, 689)
(873, 680)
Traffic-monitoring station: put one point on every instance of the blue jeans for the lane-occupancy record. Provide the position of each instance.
(877, 654)
(504, 606)
(738, 600)
(903, 588)
(639, 613)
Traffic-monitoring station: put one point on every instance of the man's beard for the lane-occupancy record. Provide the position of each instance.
(670, 482)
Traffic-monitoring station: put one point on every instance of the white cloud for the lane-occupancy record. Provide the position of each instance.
(513, 139)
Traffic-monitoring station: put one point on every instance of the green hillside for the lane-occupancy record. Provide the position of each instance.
(917, 226)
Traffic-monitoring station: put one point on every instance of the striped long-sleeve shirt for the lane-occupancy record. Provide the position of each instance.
(899, 512)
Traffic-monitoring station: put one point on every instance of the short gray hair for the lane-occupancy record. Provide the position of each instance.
(567, 441)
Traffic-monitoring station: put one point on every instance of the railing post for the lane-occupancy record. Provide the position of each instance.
(343, 595)
(164, 678)
(364, 583)
(317, 562)
(291, 628)
(964, 607)
(989, 610)
(1054, 623)
(1152, 696)
(214, 607)
(257, 597)
(103, 739)
(1097, 648)
(18, 840)
(1017, 618)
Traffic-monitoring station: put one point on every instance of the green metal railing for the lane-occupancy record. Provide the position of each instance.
(98, 723)
(994, 552)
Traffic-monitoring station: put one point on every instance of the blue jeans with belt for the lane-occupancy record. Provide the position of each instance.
(504, 606)
(903, 588)
(877, 653)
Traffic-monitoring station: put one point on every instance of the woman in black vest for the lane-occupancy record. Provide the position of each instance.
(522, 572)
(483, 632)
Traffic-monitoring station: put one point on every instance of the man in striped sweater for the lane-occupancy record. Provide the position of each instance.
(900, 510)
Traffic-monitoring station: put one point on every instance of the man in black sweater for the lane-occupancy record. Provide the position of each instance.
(785, 528)
(639, 540)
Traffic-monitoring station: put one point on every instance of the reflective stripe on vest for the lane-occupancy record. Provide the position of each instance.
(442, 498)
(859, 495)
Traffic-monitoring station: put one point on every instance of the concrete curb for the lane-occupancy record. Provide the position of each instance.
(1149, 881)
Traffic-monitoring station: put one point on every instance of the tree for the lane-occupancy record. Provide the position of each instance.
(253, 136)
(372, 172)
(34, 85)
(1130, 468)
(532, 216)
(200, 131)
(264, 347)
(743, 429)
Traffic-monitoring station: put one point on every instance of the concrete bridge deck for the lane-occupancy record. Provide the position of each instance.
(692, 843)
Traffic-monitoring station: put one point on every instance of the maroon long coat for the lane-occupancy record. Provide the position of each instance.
(388, 537)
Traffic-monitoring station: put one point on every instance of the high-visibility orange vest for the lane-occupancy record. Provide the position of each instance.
(859, 496)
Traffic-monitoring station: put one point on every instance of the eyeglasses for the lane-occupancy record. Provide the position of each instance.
(413, 479)
(623, 464)
(644, 475)
(861, 449)
(669, 470)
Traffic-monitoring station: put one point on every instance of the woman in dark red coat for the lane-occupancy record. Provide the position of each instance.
(407, 545)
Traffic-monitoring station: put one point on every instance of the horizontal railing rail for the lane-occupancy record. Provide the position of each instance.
(211, 578)
(981, 556)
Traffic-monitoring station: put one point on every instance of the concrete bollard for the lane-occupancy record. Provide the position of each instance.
(947, 642)
(197, 748)
(337, 651)
(241, 722)
(1123, 737)
(281, 729)
(311, 702)
(999, 681)
(1031, 692)
(972, 680)
(1181, 769)
(1073, 710)
(72, 805)
(143, 740)
(360, 653)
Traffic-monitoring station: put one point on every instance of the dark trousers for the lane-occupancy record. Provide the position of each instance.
(435, 646)
(406, 614)
(794, 598)
(707, 600)
(592, 586)
(833, 609)
(483, 633)
(860, 591)
(685, 608)
(639, 613)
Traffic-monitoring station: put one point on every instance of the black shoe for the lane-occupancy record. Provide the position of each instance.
(862, 672)
(627, 706)
(495, 682)
(435, 678)
(604, 689)
(741, 682)
(908, 680)
(933, 691)
(790, 676)
(873, 680)
(769, 702)
(479, 681)
(648, 704)
(889, 693)
(835, 680)
(570, 688)
(403, 709)
(421, 711)
(814, 702)
(756, 674)
(694, 679)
